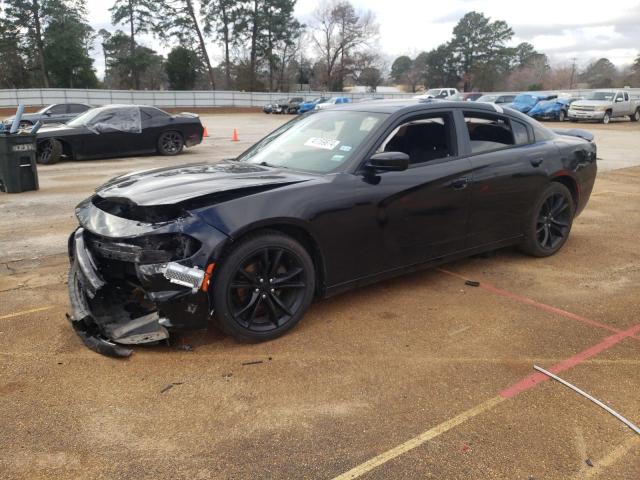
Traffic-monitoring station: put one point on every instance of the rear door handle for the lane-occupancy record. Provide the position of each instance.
(460, 183)
(537, 161)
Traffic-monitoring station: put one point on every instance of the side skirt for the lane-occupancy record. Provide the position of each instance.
(396, 272)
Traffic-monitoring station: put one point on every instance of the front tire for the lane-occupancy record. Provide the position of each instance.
(170, 143)
(49, 152)
(263, 287)
(550, 222)
(606, 118)
(636, 116)
(562, 116)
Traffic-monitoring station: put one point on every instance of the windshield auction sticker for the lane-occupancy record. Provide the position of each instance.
(324, 143)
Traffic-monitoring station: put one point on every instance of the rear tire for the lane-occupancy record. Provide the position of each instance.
(263, 287)
(636, 116)
(170, 143)
(549, 224)
(49, 152)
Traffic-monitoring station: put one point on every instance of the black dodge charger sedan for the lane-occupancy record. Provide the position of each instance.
(330, 201)
(119, 130)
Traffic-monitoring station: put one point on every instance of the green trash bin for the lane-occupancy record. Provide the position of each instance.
(18, 168)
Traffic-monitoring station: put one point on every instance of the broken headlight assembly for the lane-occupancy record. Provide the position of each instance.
(148, 249)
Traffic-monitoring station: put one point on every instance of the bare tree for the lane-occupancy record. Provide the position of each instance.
(338, 32)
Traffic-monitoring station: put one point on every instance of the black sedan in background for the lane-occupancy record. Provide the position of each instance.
(330, 201)
(119, 130)
(56, 113)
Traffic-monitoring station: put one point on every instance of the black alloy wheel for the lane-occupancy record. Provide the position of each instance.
(554, 220)
(263, 287)
(170, 143)
(49, 152)
(550, 226)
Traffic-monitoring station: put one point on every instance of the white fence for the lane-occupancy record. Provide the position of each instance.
(161, 98)
(206, 98)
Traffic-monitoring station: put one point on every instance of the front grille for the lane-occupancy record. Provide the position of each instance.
(583, 108)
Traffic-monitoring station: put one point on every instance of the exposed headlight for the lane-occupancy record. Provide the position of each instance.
(145, 249)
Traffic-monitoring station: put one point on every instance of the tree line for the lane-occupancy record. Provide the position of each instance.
(49, 43)
(478, 58)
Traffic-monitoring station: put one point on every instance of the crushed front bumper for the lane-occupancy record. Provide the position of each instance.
(118, 300)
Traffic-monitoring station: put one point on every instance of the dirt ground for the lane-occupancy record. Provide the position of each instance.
(418, 377)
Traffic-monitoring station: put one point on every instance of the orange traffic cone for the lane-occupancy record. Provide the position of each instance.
(205, 134)
(234, 137)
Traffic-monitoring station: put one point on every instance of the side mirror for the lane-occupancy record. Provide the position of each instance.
(48, 113)
(389, 161)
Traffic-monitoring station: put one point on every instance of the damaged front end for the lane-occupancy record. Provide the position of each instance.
(133, 281)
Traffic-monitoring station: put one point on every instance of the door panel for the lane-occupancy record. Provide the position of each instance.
(426, 215)
(505, 185)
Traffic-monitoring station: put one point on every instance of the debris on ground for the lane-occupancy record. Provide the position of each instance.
(628, 423)
(170, 386)
(253, 362)
(589, 462)
(185, 347)
(472, 283)
(227, 376)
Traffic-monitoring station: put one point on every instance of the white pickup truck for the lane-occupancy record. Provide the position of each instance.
(603, 105)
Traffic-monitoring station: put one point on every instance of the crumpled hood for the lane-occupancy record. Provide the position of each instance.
(173, 185)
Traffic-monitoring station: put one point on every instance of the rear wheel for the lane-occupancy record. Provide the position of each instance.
(549, 226)
(263, 287)
(636, 116)
(49, 151)
(170, 143)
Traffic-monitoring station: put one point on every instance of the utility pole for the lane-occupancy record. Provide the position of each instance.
(573, 72)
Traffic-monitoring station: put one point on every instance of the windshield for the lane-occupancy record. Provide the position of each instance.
(487, 98)
(607, 96)
(526, 99)
(434, 91)
(85, 118)
(320, 142)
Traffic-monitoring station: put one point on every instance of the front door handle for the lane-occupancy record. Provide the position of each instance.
(460, 183)
(537, 161)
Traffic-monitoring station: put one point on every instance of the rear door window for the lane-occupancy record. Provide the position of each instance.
(58, 109)
(77, 108)
(488, 132)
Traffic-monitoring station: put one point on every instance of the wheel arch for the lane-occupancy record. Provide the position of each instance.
(292, 228)
(571, 184)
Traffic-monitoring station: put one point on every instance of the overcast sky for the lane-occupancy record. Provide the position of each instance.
(561, 29)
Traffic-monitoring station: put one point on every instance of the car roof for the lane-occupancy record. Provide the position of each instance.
(417, 105)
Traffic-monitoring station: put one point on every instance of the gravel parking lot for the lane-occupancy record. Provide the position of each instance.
(417, 377)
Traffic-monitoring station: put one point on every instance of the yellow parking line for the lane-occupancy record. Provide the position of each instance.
(419, 439)
(612, 457)
(25, 312)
